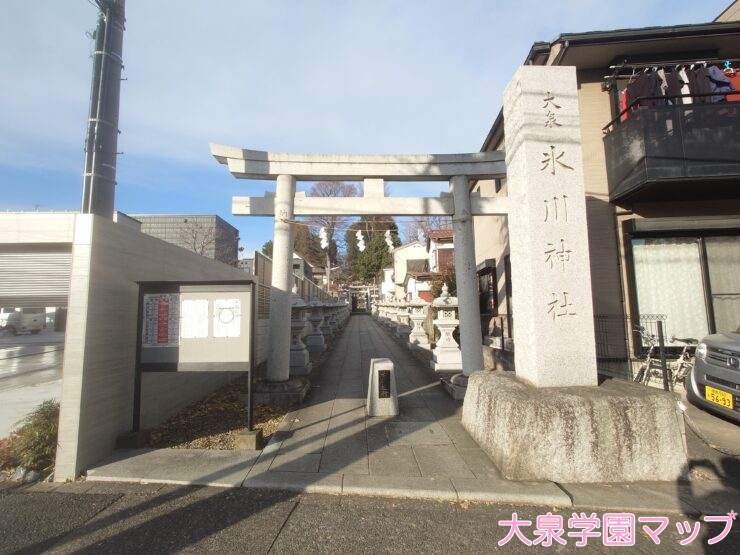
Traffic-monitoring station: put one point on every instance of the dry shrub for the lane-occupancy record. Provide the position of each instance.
(35, 443)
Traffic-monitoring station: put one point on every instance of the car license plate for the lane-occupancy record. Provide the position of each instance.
(719, 397)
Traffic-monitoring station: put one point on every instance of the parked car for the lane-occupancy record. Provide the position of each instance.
(25, 320)
(714, 381)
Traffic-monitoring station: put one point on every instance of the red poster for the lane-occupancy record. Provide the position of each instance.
(163, 324)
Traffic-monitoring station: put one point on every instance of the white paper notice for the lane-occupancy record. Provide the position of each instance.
(194, 319)
(226, 318)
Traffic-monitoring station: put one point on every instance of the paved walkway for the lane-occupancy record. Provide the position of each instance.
(331, 446)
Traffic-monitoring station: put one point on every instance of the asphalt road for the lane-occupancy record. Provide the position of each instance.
(30, 372)
(125, 518)
(28, 365)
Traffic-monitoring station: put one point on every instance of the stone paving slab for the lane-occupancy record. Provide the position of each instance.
(394, 460)
(441, 460)
(416, 433)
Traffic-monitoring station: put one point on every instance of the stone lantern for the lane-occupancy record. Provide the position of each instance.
(390, 317)
(315, 339)
(299, 357)
(403, 329)
(381, 310)
(374, 305)
(418, 309)
(333, 322)
(326, 328)
(446, 356)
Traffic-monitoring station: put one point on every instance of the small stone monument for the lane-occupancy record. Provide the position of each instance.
(382, 397)
(446, 356)
(299, 357)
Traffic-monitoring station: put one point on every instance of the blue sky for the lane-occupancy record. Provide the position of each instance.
(377, 76)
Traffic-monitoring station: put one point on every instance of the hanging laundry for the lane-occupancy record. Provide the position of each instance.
(663, 81)
(699, 83)
(718, 82)
(734, 77)
(685, 89)
(673, 87)
(646, 85)
(623, 103)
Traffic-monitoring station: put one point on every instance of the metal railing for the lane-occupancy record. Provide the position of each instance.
(620, 339)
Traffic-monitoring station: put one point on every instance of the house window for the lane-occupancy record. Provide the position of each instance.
(668, 280)
(694, 281)
(723, 261)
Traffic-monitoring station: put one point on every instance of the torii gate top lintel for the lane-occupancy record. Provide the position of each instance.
(256, 164)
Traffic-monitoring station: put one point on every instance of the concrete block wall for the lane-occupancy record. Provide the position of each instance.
(100, 346)
(262, 341)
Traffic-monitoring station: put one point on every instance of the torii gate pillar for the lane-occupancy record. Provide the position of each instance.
(466, 278)
(278, 363)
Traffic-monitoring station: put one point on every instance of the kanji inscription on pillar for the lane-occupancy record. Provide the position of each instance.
(551, 276)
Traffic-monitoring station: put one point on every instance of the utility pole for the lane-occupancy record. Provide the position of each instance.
(99, 177)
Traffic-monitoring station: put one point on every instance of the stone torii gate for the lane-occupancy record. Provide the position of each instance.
(540, 424)
(546, 209)
(373, 171)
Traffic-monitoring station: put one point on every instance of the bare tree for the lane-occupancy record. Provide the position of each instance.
(209, 241)
(334, 225)
(411, 229)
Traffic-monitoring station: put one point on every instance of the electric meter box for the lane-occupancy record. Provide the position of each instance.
(195, 327)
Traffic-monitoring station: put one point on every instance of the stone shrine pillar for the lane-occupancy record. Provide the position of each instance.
(550, 269)
(446, 356)
(278, 362)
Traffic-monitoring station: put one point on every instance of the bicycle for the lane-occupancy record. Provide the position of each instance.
(647, 369)
(679, 368)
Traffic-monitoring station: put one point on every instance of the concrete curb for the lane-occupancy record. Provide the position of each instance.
(691, 498)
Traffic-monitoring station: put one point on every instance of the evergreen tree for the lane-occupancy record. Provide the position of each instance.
(369, 263)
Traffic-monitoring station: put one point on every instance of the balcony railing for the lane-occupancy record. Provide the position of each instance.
(680, 151)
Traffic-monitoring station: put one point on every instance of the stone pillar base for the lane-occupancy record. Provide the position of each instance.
(455, 388)
(615, 432)
(299, 363)
(442, 362)
(248, 441)
(283, 394)
(316, 347)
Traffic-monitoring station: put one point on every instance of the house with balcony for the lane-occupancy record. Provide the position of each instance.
(662, 181)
